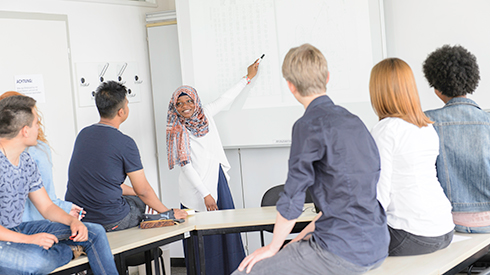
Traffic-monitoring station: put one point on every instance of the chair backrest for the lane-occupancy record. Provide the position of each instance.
(271, 196)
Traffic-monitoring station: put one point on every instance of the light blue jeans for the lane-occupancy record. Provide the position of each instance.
(21, 258)
(466, 229)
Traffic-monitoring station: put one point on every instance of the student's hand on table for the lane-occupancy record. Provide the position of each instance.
(75, 211)
(259, 254)
(45, 240)
(180, 214)
(252, 69)
(210, 203)
(79, 232)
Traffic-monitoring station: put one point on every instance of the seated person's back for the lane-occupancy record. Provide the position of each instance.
(463, 165)
(335, 157)
(102, 158)
(419, 214)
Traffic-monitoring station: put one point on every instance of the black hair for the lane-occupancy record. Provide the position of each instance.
(110, 97)
(15, 113)
(452, 70)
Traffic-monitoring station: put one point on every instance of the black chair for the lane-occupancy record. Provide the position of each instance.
(140, 258)
(271, 197)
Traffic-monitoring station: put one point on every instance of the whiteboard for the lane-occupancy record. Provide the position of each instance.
(219, 39)
(38, 44)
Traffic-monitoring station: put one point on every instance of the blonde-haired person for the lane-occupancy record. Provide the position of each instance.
(418, 212)
(41, 154)
(334, 156)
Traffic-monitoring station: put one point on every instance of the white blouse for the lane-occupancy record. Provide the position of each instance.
(199, 178)
(408, 188)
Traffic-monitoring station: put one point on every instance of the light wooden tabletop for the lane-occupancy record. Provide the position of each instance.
(243, 217)
(439, 262)
(125, 240)
(462, 247)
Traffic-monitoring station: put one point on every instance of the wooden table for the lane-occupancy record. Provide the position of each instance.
(134, 240)
(462, 252)
(131, 241)
(236, 221)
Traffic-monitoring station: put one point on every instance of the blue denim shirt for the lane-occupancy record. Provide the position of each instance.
(335, 157)
(463, 164)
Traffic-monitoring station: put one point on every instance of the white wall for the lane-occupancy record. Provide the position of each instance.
(416, 28)
(100, 32)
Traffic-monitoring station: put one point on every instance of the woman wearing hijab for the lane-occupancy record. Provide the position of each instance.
(193, 143)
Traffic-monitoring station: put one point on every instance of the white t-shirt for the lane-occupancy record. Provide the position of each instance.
(408, 188)
(199, 178)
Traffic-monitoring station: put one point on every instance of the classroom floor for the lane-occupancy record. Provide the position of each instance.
(177, 270)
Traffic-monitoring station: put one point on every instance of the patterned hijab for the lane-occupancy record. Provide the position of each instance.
(178, 143)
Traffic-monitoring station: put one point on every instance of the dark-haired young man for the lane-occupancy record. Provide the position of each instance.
(463, 164)
(37, 247)
(102, 158)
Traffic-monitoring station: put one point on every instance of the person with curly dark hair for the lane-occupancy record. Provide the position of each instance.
(463, 164)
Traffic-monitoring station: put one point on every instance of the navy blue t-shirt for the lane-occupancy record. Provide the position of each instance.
(335, 156)
(101, 159)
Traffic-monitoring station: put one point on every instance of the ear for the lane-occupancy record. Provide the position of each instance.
(121, 112)
(24, 132)
(328, 77)
(291, 87)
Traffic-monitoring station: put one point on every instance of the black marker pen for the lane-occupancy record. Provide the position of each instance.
(260, 59)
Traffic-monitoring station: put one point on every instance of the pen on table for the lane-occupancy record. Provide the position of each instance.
(260, 59)
(80, 214)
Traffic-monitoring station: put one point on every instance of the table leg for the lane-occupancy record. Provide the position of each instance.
(191, 256)
(156, 260)
(262, 238)
(120, 264)
(148, 261)
(202, 261)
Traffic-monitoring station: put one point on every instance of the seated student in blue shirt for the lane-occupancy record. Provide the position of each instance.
(334, 155)
(37, 247)
(41, 154)
(103, 157)
(463, 164)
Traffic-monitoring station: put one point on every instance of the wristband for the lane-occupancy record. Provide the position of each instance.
(248, 79)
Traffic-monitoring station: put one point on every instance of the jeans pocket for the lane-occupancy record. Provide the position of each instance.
(111, 226)
(418, 245)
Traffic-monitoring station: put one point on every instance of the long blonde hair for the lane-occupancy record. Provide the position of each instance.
(40, 136)
(394, 93)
